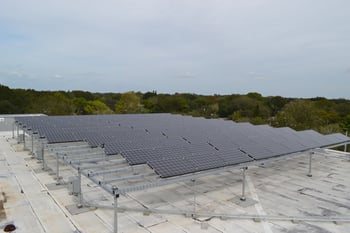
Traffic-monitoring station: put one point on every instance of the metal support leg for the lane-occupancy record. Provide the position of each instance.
(57, 170)
(32, 152)
(13, 130)
(80, 194)
(24, 139)
(345, 147)
(43, 155)
(310, 164)
(346, 134)
(115, 221)
(115, 230)
(17, 133)
(243, 198)
(194, 197)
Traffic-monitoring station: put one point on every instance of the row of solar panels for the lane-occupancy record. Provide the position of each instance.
(175, 145)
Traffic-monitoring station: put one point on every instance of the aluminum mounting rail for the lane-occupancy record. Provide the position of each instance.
(111, 171)
(124, 178)
(103, 165)
(93, 160)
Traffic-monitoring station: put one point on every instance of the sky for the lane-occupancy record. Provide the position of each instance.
(291, 48)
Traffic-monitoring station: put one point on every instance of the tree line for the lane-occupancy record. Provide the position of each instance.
(321, 114)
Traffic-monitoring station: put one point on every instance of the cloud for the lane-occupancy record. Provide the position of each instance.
(257, 76)
(58, 76)
(17, 74)
(13, 73)
(118, 45)
(260, 78)
(187, 75)
(91, 74)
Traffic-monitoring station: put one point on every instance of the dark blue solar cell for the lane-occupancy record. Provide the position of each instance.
(176, 145)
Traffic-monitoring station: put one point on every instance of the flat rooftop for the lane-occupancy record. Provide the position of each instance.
(280, 197)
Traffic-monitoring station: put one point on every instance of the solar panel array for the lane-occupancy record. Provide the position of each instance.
(175, 145)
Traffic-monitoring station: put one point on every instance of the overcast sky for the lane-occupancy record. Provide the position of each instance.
(294, 48)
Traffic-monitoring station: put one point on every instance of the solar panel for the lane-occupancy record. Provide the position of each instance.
(141, 156)
(175, 145)
(336, 138)
(233, 157)
(205, 161)
(172, 166)
(199, 148)
(144, 155)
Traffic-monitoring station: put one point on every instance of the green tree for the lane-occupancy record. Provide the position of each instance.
(110, 99)
(248, 107)
(299, 115)
(255, 95)
(83, 94)
(6, 98)
(129, 103)
(24, 99)
(97, 107)
(172, 104)
(148, 95)
(5, 92)
(52, 103)
(342, 107)
(6, 107)
(329, 117)
(257, 121)
(345, 123)
(330, 128)
(80, 105)
(276, 103)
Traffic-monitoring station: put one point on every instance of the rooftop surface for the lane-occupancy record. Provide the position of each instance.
(280, 198)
